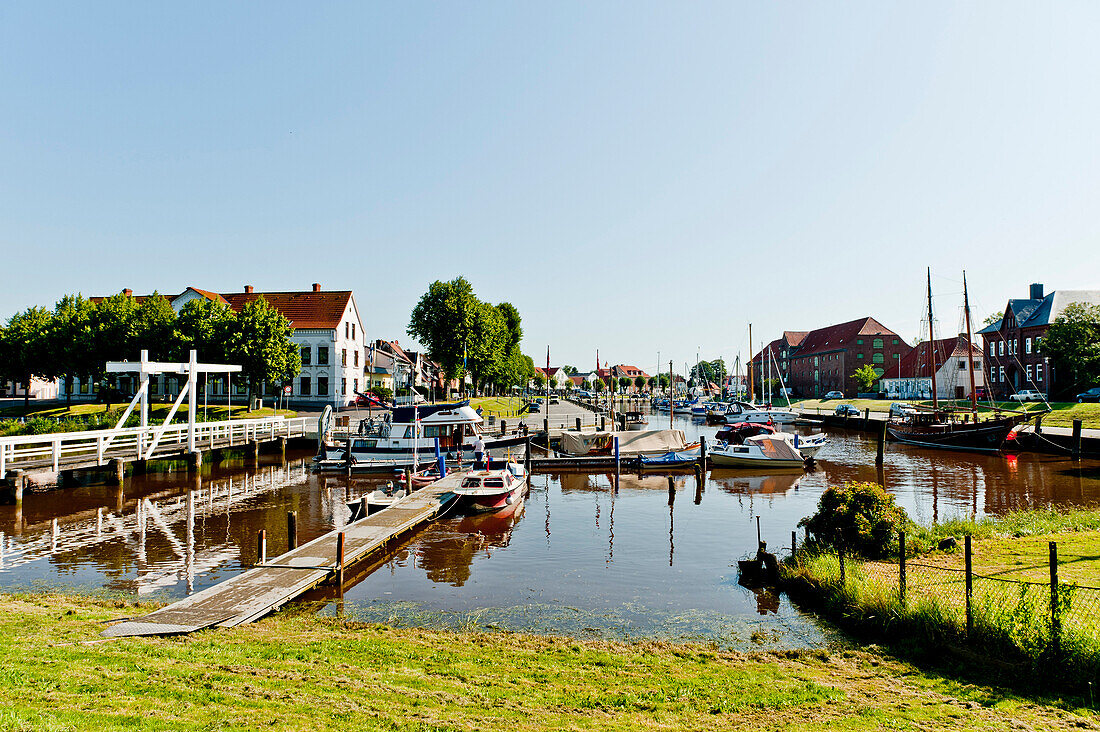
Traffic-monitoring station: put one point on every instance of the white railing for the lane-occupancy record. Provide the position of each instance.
(133, 442)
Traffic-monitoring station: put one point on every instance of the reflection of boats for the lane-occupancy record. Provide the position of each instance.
(772, 482)
(760, 451)
(495, 490)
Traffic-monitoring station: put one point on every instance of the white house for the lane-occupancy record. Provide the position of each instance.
(913, 377)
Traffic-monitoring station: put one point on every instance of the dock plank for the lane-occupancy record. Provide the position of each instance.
(257, 592)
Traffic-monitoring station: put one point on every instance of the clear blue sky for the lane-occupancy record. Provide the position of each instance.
(634, 177)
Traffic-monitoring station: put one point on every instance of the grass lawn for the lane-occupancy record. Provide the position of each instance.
(82, 409)
(500, 406)
(293, 671)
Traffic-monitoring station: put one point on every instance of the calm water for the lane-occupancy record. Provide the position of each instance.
(577, 558)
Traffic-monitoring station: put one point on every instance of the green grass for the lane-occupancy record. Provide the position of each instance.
(81, 417)
(500, 406)
(294, 671)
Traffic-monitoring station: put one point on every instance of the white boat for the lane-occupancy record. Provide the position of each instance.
(808, 445)
(745, 412)
(407, 438)
(495, 490)
(636, 422)
(762, 451)
(374, 502)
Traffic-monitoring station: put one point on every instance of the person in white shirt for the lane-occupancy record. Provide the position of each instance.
(479, 452)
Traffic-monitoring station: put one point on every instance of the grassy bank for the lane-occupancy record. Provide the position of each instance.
(500, 406)
(293, 671)
(79, 417)
(1011, 606)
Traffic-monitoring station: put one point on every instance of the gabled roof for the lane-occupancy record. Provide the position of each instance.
(841, 335)
(205, 293)
(305, 310)
(918, 362)
(1051, 306)
(794, 337)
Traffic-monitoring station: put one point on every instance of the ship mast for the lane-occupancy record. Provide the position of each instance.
(750, 364)
(970, 351)
(932, 342)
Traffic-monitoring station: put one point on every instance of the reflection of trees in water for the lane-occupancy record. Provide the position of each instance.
(448, 559)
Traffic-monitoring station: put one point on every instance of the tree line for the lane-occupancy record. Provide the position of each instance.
(465, 335)
(79, 336)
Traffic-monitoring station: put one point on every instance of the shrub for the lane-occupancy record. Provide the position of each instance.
(860, 517)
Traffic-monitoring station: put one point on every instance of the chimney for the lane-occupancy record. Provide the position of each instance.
(248, 289)
(128, 292)
(316, 286)
(1037, 291)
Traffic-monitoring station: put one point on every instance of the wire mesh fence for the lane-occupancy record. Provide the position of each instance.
(1052, 623)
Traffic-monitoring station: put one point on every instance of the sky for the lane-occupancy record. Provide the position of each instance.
(638, 178)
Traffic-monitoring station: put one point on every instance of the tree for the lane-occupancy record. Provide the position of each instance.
(384, 393)
(663, 381)
(639, 382)
(570, 370)
(153, 328)
(857, 516)
(652, 381)
(512, 322)
(443, 320)
(540, 380)
(206, 327)
(598, 384)
(993, 317)
(69, 341)
(1073, 343)
(23, 349)
(261, 345)
(624, 382)
(866, 377)
(553, 383)
(112, 332)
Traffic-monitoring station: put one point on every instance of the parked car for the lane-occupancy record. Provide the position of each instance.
(553, 400)
(846, 410)
(981, 393)
(1027, 395)
(834, 395)
(534, 406)
(897, 409)
(1089, 395)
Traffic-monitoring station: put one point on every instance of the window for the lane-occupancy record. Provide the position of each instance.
(859, 341)
(815, 362)
(343, 386)
(1001, 348)
(356, 357)
(859, 355)
(879, 373)
(1038, 372)
(322, 356)
(817, 375)
(307, 353)
(322, 386)
(1030, 375)
(84, 385)
(353, 331)
(1038, 344)
(992, 374)
(347, 330)
(962, 364)
(876, 343)
(894, 341)
(1027, 345)
(978, 364)
(343, 357)
(304, 385)
(877, 358)
(1001, 374)
(992, 348)
(897, 356)
(356, 387)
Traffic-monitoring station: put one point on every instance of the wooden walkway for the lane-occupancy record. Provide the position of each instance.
(255, 593)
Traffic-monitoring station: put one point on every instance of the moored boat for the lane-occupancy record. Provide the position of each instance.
(493, 490)
(760, 451)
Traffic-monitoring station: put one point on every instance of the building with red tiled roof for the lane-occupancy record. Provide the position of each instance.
(826, 358)
(780, 350)
(947, 359)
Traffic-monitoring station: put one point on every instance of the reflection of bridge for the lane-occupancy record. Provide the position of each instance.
(161, 513)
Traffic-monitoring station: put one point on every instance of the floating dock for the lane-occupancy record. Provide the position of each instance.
(268, 586)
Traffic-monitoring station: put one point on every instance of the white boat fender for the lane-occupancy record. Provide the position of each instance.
(508, 500)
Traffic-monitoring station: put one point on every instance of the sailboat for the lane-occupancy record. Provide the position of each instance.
(941, 427)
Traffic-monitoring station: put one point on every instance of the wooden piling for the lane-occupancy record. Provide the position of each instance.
(252, 452)
(409, 480)
(1039, 424)
(1076, 439)
(18, 482)
(194, 461)
(364, 509)
(1055, 614)
(969, 586)
(291, 530)
(340, 560)
(881, 445)
(703, 452)
(117, 473)
(578, 424)
(261, 546)
(794, 542)
(527, 455)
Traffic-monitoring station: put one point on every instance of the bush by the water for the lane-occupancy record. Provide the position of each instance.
(859, 517)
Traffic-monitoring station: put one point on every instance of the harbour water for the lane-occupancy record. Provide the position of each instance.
(578, 558)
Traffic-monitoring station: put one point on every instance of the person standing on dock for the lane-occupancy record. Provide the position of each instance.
(479, 452)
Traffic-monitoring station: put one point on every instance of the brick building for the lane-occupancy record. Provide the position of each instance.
(826, 358)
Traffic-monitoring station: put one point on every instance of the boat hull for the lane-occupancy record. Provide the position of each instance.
(986, 436)
(724, 460)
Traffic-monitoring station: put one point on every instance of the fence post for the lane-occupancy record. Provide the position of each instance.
(840, 556)
(291, 530)
(901, 567)
(1055, 611)
(261, 547)
(969, 586)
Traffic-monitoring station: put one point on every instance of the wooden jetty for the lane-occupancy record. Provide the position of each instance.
(270, 585)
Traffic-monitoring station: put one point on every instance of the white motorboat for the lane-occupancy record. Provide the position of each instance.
(745, 412)
(761, 451)
(496, 489)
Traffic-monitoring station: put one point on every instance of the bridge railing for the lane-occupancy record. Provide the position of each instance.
(100, 446)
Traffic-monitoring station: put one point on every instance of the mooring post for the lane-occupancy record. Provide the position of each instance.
(1055, 610)
(252, 452)
(280, 445)
(409, 480)
(291, 530)
(671, 489)
(901, 567)
(261, 547)
(194, 461)
(881, 445)
(1039, 424)
(18, 483)
(527, 455)
(117, 472)
(340, 560)
(603, 423)
(503, 427)
(364, 508)
(758, 537)
(794, 542)
(703, 452)
(1076, 439)
(578, 424)
(616, 441)
(546, 429)
(969, 586)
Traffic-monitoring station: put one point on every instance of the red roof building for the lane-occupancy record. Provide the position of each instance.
(825, 359)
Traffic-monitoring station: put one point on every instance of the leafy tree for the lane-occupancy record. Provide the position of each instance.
(860, 517)
(261, 345)
(598, 385)
(384, 393)
(540, 380)
(208, 328)
(570, 370)
(993, 317)
(153, 328)
(69, 341)
(512, 322)
(443, 320)
(1073, 343)
(652, 382)
(112, 332)
(663, 381)
(624, 382)
(24, 348)
(866, 377)
(639, 382)
(553, 383)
